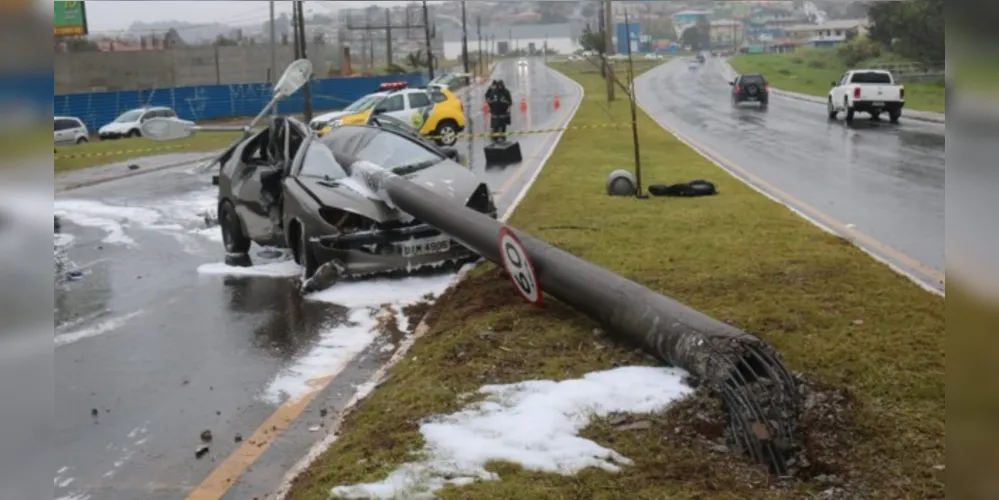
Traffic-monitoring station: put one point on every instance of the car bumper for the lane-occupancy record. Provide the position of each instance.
(380, 252)
(868, 106)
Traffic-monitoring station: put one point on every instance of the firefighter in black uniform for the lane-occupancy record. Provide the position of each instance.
(499, 100)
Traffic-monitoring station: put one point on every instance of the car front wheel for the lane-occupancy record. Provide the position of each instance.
(81, 140)
(233, 237)
(831, 110)
(134, 133)
(303, 254)
(447, 133)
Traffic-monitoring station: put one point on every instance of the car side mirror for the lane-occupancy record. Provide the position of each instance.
(731, 84)
(833, 84)
(378, 111)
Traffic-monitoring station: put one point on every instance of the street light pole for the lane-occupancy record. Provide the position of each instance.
(426, 32)
(307, 112)
(464, 37)
(272, 76)
(478, 34)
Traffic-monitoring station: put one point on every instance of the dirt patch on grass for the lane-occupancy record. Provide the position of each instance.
(870, 342)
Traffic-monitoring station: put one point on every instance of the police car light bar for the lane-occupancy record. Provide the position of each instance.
(393, 85)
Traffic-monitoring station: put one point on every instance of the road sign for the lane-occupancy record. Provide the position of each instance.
(69, 18)
(518, 265)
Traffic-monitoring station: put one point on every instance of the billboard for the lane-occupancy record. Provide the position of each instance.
(622, 33)
(70, 18)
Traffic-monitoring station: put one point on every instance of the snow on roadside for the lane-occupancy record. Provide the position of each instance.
(183, 216)
(534, 424)
(369, 303)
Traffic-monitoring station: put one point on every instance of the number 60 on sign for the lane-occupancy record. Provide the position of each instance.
(518, 265)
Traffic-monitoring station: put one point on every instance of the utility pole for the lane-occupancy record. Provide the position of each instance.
(430, 46)
(272, 75)
(478, 34)
(464, 37)
(301, 36)
(609, 46)
(294, 32)
(634, 112)
(367, 44)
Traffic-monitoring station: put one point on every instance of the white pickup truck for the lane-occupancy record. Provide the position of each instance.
(870, 91)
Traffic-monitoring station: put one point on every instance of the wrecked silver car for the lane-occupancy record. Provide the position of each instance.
(286, 187)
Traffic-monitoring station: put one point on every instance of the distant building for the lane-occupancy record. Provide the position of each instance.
(726, 33)
(528, 38)
(828, 33)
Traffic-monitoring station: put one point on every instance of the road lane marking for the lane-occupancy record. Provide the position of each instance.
(816, 216)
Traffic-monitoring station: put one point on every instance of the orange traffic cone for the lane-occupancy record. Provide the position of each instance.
(557, 103)
(523, 105)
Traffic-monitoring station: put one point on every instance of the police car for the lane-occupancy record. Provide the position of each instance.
(435, 112)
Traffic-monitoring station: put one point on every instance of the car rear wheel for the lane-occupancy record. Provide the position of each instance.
(133, 133)
(849, 111)
(233, 237)
(81, 140)
(894, 115)
(447, 133)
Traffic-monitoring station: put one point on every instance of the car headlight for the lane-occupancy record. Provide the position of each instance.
(336, 123)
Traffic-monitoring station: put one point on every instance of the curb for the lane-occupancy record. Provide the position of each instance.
(914, 114)
(124, 175)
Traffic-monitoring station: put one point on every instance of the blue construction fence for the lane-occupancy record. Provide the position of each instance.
(208, 102)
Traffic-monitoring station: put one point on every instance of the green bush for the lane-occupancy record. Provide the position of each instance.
(857, 50)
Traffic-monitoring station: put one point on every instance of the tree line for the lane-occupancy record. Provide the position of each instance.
(914, 29)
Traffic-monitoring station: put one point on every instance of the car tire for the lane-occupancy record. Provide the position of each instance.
(447, 133)
(234, 239)
(893, 116)
(303, 253)
(81, 140)
(133, 133)
(831, 110)
(849, 111)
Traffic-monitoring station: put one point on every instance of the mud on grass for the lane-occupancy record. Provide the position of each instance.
(867, 338)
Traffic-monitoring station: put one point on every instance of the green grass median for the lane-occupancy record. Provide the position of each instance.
(799, 74)
(97, 153)
(834, 313)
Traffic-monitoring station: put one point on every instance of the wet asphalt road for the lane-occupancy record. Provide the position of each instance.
(884, 180)
(149, 353)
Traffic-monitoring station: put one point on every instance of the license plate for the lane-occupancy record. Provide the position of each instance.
(751, 98)
(879, 103)
(424, 247)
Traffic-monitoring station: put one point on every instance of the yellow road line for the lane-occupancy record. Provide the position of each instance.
(225, 475)
(808, 210)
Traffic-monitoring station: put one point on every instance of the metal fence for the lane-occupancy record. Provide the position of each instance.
(913, 72)
(208, 102)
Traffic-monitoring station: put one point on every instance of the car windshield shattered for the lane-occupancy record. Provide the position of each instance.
(398, 154)
(129, 116)
(320, 162)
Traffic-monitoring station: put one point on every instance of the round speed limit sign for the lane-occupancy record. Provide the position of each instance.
(518, 266)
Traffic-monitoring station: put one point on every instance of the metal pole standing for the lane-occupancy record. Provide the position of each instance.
(272, 76)
(426, 33)
(464, 38)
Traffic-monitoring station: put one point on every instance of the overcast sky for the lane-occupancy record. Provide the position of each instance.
(103, 16)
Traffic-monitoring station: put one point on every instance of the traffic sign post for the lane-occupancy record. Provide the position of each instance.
(519, 266)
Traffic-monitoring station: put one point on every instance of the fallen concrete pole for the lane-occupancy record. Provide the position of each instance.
(759, 394)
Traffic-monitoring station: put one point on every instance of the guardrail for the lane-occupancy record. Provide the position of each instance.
(913, 72)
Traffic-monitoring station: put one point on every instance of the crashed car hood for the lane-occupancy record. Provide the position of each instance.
(448, 179)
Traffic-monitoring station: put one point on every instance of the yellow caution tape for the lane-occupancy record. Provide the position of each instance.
(532, 132)
(114, 153)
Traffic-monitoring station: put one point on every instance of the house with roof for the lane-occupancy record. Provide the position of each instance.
(828, 33)
(560, 38)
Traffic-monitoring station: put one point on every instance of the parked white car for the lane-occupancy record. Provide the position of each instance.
(69, 130)
(870, 91)
(129, 123)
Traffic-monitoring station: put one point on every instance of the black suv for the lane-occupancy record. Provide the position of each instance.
(752, 88)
